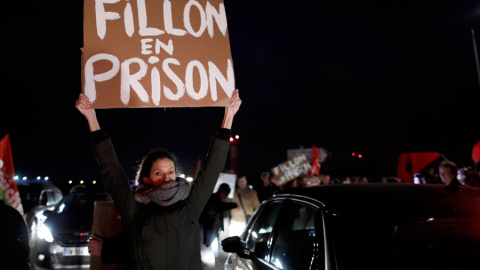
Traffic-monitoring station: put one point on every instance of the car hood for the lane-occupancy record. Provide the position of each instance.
(69, 223)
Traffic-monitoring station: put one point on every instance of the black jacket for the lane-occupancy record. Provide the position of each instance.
(161, 237)
(211, 219)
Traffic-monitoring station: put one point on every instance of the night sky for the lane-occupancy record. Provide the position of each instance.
(375, 78)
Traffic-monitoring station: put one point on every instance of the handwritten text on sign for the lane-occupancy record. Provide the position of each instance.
(156, 53)
(292, 168)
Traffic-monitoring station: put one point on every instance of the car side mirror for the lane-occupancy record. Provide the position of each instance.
(47, 212)
(235, 245)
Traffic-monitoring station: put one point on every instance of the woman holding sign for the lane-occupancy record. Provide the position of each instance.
(161, 216)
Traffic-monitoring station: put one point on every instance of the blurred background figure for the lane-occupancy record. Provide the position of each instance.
(211, 223)
(363, 180)
(267, 187)
(14, 237)
(247, 200)
(325, 179)
(448, 174)
(346, 180)
(355, 179)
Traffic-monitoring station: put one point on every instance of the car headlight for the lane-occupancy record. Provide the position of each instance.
(44, 233)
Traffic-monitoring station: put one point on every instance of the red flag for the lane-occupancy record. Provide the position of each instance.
(197, 168)
(411, 163)
(315, 162)
(8, 188)
(476, 152)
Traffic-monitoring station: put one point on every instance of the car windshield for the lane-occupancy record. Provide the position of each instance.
(78, 204)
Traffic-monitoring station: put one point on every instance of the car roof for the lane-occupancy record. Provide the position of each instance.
(394, 201)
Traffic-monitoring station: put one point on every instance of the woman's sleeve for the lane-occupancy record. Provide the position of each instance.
(114, 249)
(115, 180)
(207, 178)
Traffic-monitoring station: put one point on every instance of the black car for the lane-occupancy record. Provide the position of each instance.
(37, 198)
(362, 226)
(61, 241)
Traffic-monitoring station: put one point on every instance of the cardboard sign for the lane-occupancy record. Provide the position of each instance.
(106, 224)
(292, 168)
(156, 53)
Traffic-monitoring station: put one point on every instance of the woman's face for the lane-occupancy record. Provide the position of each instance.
(242, 182)
(162, 171)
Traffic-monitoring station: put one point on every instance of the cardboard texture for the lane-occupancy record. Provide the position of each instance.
(106, 223)
(292, 168)
(156, 53)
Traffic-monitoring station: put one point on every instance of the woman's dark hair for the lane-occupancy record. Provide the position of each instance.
(145, 165)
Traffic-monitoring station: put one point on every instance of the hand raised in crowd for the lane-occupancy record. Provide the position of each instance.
(231, 110)
(83, 105)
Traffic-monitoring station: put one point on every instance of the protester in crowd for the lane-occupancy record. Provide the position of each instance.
(14, 237)
(448, 174)
(161, 216)
(355, 179)
(267, 188)
(363, 180)
(325, 179)
(211, 220)
(247, 200)
(347, 180)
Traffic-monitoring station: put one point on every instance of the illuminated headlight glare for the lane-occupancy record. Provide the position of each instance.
(44, 233)
(41, 257)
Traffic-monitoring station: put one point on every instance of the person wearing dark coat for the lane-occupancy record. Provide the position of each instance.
(266, 189)
(211, 219)
(14, 248)
(160, 217)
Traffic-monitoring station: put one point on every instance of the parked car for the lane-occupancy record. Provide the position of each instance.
(362, 226)
(36, 198)
(61, 241)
